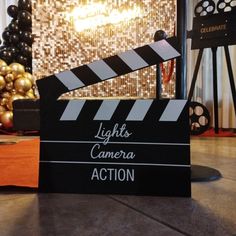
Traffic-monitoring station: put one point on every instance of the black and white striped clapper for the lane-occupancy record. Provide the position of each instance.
(113, 146)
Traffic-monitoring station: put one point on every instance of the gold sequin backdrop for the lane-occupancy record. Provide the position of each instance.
(59, 46)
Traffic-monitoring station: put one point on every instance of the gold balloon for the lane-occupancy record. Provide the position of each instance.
(2, 82)
(22, 85)
(4, 70)
(2, 63)
(3, 101)
(29, 76)
(30, 94)
(9, 78)
(17, 69)
(13, 92)
(31, 91)
(2, 109)
(12, 99)
(7, 119)
(6, 95)
(9, 86)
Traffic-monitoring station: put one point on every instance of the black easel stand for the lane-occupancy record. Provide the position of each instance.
(202, 37)
(231, 76)
(215, 86)
(202, 173)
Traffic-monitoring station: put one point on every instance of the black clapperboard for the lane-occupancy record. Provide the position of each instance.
(138, 147)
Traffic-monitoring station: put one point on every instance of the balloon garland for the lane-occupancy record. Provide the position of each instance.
(15, 83)
(17, 36)
(16, 80)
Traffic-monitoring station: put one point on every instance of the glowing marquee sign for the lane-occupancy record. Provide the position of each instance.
(89, 17)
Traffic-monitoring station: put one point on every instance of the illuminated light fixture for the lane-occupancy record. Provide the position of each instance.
(89, 17)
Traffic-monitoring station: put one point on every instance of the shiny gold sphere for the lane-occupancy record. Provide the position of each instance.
(2, 110)
(12, 99)
(3, 101)
(4, 70)
(9, 77)
(13, 92)
(22, 85)
(17, 69)
(2, 82)
(2, 63)
(30, 94)
(29, 76)
(6, 95)
(9, 86)
(7, 119)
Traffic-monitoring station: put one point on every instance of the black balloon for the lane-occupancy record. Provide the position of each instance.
(15, 20)
(22, 60)
(28, 69)
(14, 51)
(17, 36)
(24, 5)
(6, 35)
(2, 47)
(12, 11)
(29, 63)
(26, 37)
(14, 38)
(24, 19)
(13, 26)
(20, 32)
(26, 51)
(6, 43)
(21, 45)
(6, 55)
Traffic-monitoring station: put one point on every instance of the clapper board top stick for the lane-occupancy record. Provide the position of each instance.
(108, 68)
(114, 146)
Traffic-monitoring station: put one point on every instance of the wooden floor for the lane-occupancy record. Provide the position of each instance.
(211, 210)
(215, 152)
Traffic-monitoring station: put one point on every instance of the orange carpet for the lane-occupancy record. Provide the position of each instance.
(19, 164)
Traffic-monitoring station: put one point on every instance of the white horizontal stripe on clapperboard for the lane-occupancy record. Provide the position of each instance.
(137, 112)
(124, 143)
(72, 110)
(69, 79)
(102, 70)
(106, 109)
(133, 60)
(164, 49)
(173, 110)
(113, 163)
